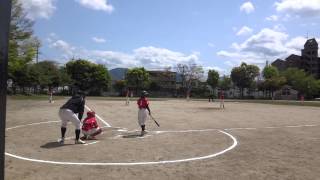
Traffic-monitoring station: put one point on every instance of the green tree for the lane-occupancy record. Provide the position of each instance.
(119, 86)
(225, 83)
(273, 81)
(213, 78)
(270, 71)
(307, 85)
(65, 79)
(244, 75)
(154, 86)
(22, 48)
(48, 74)
(137, 78)
(88, 76)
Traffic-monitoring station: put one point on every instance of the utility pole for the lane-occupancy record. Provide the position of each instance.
(37, 55)
(5, 14)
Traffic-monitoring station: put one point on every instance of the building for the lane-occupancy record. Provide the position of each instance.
(164, 79)
(309, 60)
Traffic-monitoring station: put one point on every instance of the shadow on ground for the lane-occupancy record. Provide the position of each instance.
(51, 145)
(132, 136)
(210, 108)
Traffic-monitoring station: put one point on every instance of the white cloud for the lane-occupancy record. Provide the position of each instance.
(149, 57)
(279, 27)
(38, 8)
(98, 40)
(272, 18)
(100, 5)
(161, 57)
(268, 44)
(63, 46)
(206, 69)
(296, 44)
(301, 8)
(247, 7)
(245, 30)
(230, 64)
(211, 45)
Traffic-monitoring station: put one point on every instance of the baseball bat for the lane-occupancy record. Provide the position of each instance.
(155, 121)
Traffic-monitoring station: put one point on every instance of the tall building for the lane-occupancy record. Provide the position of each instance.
(309, 60)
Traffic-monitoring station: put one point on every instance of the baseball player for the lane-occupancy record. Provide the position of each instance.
(90, 128)
(68, 112)
(143, 105)
(127, 97)
(221, 99)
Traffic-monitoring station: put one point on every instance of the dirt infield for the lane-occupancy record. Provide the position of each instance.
(196, 140)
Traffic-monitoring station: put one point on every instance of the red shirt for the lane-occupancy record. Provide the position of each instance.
(142, 102)
(89, 123)
(222, 95)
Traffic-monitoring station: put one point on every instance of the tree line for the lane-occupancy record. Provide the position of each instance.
(249, 77)
(28, 76)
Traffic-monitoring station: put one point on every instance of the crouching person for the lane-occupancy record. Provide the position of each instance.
(90, 127)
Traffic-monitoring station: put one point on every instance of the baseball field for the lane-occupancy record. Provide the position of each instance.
(195, 140)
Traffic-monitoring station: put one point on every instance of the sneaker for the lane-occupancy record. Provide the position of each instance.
(61, 141)
(83, 138)
(79, 142)
(142, 133)
(92, 138)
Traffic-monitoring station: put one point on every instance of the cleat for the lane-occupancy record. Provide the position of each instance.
(92, 138)
(143, 133)
(79, 142)
(83, 138)
(61, 141)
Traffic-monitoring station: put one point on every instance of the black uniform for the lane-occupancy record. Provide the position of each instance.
(76, 105)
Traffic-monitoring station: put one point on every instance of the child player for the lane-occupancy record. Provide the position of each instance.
(143, 105)
(90, 128)
(221, 99)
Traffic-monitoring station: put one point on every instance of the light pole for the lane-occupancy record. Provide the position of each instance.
(5, 14)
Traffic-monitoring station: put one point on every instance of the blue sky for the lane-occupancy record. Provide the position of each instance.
(160, 33)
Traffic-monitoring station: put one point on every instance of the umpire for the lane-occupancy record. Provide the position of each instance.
(68, 112)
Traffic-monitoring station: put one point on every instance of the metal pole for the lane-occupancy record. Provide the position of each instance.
(5, 14)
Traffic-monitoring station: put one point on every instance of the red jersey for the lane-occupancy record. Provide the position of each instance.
(143, 102)
(90, 122)
(222, 95)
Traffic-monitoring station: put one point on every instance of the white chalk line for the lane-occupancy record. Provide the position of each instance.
(235, 142)
(273, 127)
(31, 124)
(103, 121)
(95, 142)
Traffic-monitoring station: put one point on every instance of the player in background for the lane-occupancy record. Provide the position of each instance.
(127, 97)
(68, 112)
(143, 105)
(221, 99)
(90, 127)
(51, 96)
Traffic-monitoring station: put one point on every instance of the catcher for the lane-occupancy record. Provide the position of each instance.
(90, 127)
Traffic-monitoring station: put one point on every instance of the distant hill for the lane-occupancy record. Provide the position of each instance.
(118, 73)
